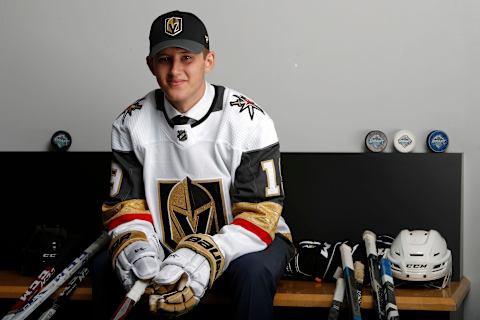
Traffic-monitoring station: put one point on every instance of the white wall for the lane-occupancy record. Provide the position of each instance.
(346, 66)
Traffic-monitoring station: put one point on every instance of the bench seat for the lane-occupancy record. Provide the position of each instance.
(290, 293)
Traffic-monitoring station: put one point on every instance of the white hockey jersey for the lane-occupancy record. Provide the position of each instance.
(219, 175)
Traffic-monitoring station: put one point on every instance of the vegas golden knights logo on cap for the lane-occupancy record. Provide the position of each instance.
(188, 207)
(173, 26)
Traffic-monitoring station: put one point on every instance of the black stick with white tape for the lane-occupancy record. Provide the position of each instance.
(338, 296)
(350, 282)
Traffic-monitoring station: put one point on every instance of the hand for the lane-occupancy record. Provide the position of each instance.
(181, 282)
(185, 275)
(135, 257)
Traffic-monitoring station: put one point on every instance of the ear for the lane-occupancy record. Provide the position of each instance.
(150, 64)
(209, 61)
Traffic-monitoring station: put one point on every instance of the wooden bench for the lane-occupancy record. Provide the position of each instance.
(290, 293)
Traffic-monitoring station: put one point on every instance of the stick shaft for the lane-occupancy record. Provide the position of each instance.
(374, 270)
(39, 283)
(35, 287)
(66, 293)
(337, 299)
(391, 309)
(350, 282)
(132, 297)
(61, 278)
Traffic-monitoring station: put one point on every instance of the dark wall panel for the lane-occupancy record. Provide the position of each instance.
(64, 189)
(332, 196)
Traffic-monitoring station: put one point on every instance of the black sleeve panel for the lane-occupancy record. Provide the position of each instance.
(127, 178)
(258, 177)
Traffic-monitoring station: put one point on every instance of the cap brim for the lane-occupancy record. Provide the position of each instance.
(189, 45)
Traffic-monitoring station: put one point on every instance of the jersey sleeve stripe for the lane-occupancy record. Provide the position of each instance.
(264, 236)
(263, 215)
(133, 206)
(127, 218)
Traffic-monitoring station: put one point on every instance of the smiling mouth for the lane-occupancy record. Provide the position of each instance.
(175, 83)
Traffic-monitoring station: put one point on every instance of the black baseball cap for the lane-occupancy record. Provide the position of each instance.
(178, 29)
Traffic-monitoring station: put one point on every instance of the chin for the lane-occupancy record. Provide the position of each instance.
(175, 98)
(175, 93)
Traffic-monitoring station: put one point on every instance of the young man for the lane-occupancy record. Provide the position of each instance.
(196, 189)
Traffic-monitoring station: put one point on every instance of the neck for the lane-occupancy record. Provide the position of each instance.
(186, 105)
(183, 108)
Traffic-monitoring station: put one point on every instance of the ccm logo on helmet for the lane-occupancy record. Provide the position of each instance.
(417, 266)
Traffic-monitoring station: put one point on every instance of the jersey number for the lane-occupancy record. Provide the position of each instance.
(272, 189)
(115, 180)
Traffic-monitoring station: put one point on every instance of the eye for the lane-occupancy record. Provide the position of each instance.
(187, 58)
(163, 60)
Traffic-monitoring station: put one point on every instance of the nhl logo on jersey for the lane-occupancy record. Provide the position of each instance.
(173, 26)
(182, 135)
(188, 207)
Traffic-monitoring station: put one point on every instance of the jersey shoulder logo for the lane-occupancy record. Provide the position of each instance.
(244, 103)
(137, 105)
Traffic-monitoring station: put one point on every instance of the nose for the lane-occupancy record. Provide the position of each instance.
(175, 67)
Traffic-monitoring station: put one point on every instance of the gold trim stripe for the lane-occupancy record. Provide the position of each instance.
(133, 206)
(264, 215)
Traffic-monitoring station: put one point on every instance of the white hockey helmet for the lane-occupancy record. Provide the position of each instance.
(420, 255)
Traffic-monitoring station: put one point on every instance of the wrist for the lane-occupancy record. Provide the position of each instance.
(205, 246)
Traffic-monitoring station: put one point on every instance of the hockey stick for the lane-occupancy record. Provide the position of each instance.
(350, 283)
(374, 269)
(337, 299)
(359, 271)
(41, 281)
(130, 300)
(66, 293)
(391, 309)
(60, 279)
(32, 290)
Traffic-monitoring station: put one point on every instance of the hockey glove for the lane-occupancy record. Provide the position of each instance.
(185, 275)
(315, 260)
(135, 256)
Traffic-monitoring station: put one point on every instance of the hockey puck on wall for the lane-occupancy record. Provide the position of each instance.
(437, 141)
(404, 141)
(376, 141)
(61, 141)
